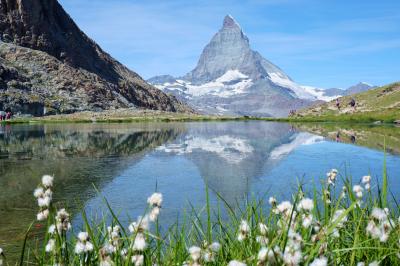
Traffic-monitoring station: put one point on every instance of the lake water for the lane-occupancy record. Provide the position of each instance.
(127, 162)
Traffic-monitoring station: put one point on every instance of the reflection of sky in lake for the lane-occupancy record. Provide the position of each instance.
(126, 162)
(236, 160)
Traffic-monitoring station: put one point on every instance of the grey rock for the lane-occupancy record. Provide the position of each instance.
(58, 63)
(360, 87)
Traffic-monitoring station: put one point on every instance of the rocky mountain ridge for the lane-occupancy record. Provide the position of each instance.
(48, 65)
(231, 78)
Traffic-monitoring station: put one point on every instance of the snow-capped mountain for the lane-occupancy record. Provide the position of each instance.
(232, 79)
(333, 93)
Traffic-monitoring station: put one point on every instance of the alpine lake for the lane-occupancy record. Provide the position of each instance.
(126, 162)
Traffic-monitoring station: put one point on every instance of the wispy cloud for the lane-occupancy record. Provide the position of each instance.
(158, 37)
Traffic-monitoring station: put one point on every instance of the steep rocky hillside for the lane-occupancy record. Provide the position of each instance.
(48, 65)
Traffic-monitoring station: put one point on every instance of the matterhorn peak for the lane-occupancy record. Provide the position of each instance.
(230, 22)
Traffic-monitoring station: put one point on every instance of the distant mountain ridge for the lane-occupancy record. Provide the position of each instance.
(48, 65)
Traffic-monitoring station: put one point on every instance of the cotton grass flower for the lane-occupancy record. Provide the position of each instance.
(44, 201)
(307, 220)
(83, 245)
(332, 177)
(267, 255)
(154, 213)
(195, 253)
(322, 261)
(138, 260)
(305, 205)
(155, 200)
(358, 190)
(142, 224)
(62, 221)
(284, 208)
(50, 246)
(210, 251)
(379, 226)
(272, 201)
(47, 181)
(244, 230)
(262, 238)
(379, 214)
(42, 215)
(38, 192)
(366, 180)
(139, 244)
(236, 263)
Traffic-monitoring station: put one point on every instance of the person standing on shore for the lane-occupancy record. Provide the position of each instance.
(2, 115)
(338, 104)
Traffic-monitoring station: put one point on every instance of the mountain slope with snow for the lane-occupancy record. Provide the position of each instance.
(232, 79)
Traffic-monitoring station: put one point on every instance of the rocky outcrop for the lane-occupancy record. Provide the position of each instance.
(46, 60)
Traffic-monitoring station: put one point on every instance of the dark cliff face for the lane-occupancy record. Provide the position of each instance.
(43, 25)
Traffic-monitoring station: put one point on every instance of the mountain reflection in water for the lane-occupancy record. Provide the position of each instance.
(127, 162)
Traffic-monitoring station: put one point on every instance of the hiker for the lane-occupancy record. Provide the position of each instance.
(2, 115)
(338, 104)
(353, 139)
(353, 103)
(338, 137)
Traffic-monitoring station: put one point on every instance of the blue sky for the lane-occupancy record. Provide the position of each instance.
(321, 43)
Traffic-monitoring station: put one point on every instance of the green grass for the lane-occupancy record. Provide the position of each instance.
(380, 104)
(340, 238)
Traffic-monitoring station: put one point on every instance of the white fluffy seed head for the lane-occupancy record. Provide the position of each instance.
(138, 260)
(38, 192)
(244, 226)
(155, 199)
(195, 253)
(154, 213)
(51, 245)
(142, 224)
(44, 202)
(47, 181)
(262, 255)
(263, 229)
(379, 214)
(272, 201)
(284, 208)
(83, 236)
(307, 220)
(139, 243)
(215, 247)
(322, 261)
(52, 229)
(306, 204)
(41, 216)
(366, 179)
(79, 247)
(357, 188)
(236, 263)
